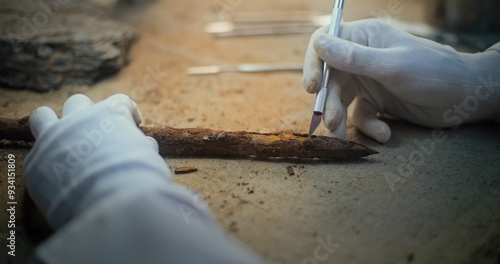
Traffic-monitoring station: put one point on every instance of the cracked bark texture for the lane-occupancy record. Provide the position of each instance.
(202, 142)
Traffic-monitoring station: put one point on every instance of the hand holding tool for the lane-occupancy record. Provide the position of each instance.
(433, 86)
(319, 104)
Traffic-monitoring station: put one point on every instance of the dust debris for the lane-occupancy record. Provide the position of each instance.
(185, 170)
(232, 227)
(221, 135)
(410, 257)
(224, 203)
(290, 171)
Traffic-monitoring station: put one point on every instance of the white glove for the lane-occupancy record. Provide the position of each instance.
(390, 72)
(107, 192)
(72, 153)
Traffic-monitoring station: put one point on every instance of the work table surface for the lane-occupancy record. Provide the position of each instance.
(417, 200)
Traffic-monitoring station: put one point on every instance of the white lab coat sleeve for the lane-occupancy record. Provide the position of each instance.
(159, 223)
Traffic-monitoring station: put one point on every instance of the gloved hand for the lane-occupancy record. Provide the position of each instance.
(63, 172)
(389, 72)
(107, 192)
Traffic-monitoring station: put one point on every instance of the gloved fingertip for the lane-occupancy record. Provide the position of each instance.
(41, 119)
(76, 103)
(376, 129)
(383, 133)
(122, 104)
(333, 121)
(323, 42)
(311, 81)
(153, 143)
(337, 133)
(136, 114)
(333, 114)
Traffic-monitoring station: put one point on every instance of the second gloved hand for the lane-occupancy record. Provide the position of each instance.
(387, 71)
(107, 192)
(89, 154)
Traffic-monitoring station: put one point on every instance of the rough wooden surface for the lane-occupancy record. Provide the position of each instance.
(200, 142)
(46, 46)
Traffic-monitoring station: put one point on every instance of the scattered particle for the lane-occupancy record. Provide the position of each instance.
(185, 170)
(221, 135)
(261, 202)
(410, 257)
(290, 170)
(190, 119)
(232, 227)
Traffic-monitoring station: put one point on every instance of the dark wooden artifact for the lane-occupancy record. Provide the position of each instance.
(200, 142)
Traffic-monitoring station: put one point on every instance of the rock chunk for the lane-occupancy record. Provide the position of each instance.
(46, 48)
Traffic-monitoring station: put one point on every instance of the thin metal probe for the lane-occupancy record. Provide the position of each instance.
(319, 103)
